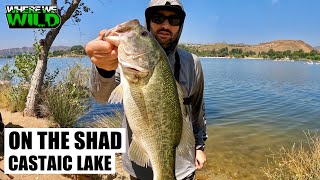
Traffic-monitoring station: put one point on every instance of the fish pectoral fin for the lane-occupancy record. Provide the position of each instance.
(116, 95)
(187, 141)
(180, 95)
(137, 154)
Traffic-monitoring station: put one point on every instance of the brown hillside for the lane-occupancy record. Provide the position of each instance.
(283, 45)
(277, 45)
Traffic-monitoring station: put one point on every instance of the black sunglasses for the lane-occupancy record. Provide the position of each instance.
(174, 20)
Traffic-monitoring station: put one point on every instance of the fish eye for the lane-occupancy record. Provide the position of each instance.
(144, 33)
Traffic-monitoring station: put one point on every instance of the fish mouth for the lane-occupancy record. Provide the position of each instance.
(137, 71)
(133, 55)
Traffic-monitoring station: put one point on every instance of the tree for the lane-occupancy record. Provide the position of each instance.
(287, 53)
(58, 53)
(78, 49)
(74, 10)
(314, 52)
(224, 52)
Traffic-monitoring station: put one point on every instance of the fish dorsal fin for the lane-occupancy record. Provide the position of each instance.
(116, 95)
(137, 154)
(187, 140)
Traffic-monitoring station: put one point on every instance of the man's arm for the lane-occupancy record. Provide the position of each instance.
(198, 114)
(102, 83)
(104, 58)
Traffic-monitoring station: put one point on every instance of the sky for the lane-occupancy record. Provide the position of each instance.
(207, 21)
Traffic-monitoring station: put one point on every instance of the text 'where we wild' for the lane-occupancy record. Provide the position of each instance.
(32, 16)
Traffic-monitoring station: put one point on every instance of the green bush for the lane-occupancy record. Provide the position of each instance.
(25, 64)
(64, 105)
(68, 100)
(5, 73)
(17, 97)
(78, 75)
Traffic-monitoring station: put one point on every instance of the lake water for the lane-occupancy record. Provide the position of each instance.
(252, 106)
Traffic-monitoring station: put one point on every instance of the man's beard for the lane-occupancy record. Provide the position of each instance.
(165, 43)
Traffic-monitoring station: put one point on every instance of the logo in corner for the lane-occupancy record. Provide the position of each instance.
(32, 16)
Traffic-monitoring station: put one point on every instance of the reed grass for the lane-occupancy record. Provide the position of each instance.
(4, 101)
(68, 99)
(300, 162)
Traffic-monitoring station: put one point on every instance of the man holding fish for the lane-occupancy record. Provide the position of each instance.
(127, 52)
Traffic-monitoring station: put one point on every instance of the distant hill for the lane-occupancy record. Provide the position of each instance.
(277, 45)
(16, 51)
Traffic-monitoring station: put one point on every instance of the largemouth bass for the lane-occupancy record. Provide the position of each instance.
(152, 101)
